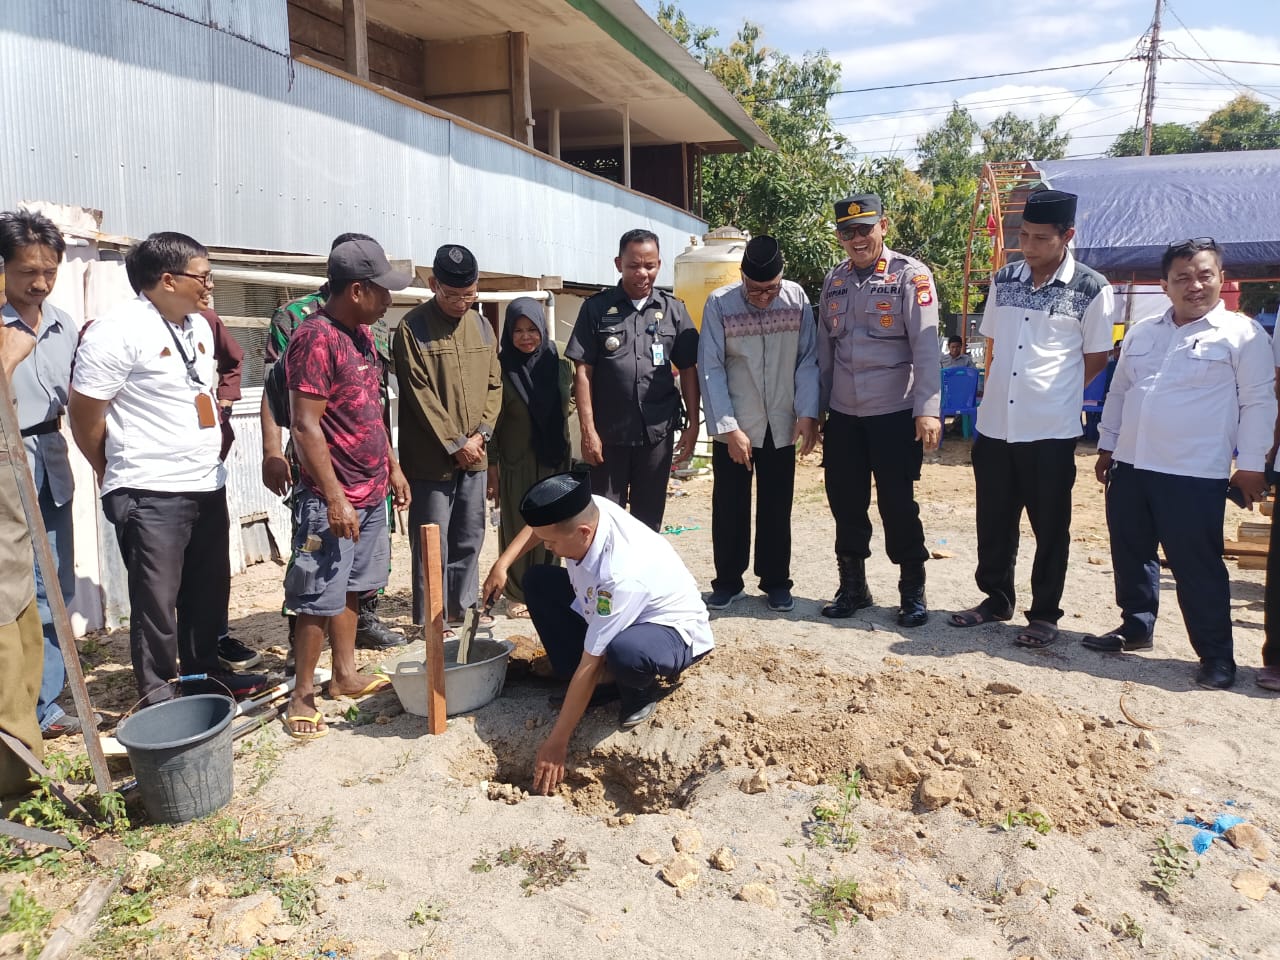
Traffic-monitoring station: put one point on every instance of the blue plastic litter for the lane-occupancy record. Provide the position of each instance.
(1210, 832)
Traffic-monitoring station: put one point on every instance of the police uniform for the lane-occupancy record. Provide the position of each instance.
(629, 599)
(634, 394)
(878, 361)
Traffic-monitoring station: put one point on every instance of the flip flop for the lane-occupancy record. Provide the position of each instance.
(316, 720)
(518, 611)
(1037, 635)
(381, 683)
(973, 617)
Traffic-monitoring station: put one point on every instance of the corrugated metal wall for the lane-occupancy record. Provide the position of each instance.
(162, 122)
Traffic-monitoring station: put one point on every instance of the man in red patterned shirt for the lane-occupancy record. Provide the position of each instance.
(340, 549)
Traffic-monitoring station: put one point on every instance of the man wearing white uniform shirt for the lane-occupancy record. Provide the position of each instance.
(1192, 385)
(1049, 320)
(144, 414)
(625, 611)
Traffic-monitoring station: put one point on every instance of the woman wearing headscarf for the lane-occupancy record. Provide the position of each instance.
(532, 436)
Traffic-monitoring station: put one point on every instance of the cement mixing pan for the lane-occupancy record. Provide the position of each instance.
(467, 686)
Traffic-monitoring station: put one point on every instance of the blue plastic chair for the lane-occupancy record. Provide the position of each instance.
(1095, 393)
(960, 397)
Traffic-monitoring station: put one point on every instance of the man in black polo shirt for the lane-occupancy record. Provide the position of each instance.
(623, 346)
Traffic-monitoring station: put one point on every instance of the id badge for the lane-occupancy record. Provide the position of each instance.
(205, 412)
(659, 353)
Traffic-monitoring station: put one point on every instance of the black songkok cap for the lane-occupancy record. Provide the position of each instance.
(762, 260)
(559, 497)
(455, 266)
(861, 208)
(1050, 206)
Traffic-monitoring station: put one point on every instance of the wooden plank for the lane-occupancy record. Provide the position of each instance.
(34, 835)
(433, 633)
(1252, 563)
(1267, 507)
(355, 25)
(82, 918)
(1254, 532)
(1244, 548)
(17, 456)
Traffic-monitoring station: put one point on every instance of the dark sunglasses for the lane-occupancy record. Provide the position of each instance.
(857, 230)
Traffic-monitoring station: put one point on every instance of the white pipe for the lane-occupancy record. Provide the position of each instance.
(270, 278)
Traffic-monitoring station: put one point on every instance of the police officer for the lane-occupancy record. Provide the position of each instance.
(623, 346)
(624, 611)
(880, 387)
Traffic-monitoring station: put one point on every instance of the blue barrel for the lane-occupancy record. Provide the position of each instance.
(181, 754)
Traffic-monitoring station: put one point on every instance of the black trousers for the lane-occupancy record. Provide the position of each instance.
(1036, 476)
(636, 477)
(1146, 509)
(774, 469)
(1271, 597)
(174, 547)
(857, 449)
(637, 655)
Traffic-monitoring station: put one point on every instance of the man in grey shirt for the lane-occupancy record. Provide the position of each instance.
(881, 389)
(31, 247)
(757, 358)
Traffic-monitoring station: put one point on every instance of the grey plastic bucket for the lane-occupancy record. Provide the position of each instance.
(181, 754)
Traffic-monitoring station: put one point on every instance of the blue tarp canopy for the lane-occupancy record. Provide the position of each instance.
(1131, 208)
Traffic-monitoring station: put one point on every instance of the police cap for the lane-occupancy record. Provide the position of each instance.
(860, 208)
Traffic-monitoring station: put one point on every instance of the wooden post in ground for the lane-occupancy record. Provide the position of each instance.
(433, 625)
(16, 456)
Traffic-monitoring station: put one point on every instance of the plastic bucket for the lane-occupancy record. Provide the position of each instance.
(181, 754)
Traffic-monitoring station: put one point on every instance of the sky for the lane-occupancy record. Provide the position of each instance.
(883, 42)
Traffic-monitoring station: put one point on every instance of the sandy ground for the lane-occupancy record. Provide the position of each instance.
(795, 701)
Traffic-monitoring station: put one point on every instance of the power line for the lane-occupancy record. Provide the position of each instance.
(975, 104)
(932, 83)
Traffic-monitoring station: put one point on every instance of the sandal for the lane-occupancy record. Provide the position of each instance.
(974, 616)
(316, 720)
(1268, 678)
(1037, 635)
(518, 611)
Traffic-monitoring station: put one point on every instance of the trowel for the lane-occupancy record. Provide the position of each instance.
(470, 625)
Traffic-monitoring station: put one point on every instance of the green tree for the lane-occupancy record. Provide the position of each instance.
(1243, 124)
(946, 152)
(1009, 137)
(788, 194)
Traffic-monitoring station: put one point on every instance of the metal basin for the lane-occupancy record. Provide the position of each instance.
(467, 686)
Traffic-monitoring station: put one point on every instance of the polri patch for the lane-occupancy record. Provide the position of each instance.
(886, 320)
(604, 603)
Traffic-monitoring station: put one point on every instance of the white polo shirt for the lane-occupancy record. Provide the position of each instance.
(1183, 398)
(1035, 385)
(154, 437)
(632, 575)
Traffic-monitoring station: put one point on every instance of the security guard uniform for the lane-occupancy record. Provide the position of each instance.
(634, 394)
(878, 359)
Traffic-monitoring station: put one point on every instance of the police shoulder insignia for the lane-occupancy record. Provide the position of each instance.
(924, 296)
(604, 603)
(881, 265)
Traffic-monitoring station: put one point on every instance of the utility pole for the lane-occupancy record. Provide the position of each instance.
(1153, 58)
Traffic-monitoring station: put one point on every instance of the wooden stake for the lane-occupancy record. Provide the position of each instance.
(86, 911)
(433, 632)
(17, 455)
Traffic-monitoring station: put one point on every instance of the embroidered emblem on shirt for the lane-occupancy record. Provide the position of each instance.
(612, 343)
(591, 592)
(891, 278)
(200, 347)
(837, 282)
(166, 352)
(882, 265)
(604, 603)
(612, 311)
(924, 296)
(886, 320)
(884, 305)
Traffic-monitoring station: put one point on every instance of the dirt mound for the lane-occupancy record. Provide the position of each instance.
(1005, 750)
(920, 741)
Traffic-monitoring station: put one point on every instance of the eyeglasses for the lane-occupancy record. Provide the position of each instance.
(856, 230)
(205, 279)
(768, 291)
(458, 298)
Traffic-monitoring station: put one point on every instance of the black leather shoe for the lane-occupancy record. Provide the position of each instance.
(913, 612)
(1216, 674)
(1116, 642)
(637, 706)
(373, 634)
(846, 604)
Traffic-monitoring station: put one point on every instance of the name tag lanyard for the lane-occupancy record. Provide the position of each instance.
(190, 362)
(205, 415)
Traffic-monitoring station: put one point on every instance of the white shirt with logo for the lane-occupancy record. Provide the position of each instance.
(154, 438)
(631, 575)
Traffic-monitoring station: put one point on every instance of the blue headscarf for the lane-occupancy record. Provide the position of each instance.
(535, 377)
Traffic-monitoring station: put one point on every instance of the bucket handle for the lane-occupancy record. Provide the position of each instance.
(180, 679)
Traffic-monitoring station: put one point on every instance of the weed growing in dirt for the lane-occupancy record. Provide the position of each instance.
(832, 902)
(543, 868)
(833, 817)
(425, 913)
(1128, 927)
(1036, 820)
(27, 918)
(1171, 864)
(266, 757)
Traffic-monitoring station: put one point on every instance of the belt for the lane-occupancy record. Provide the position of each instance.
(40, 429)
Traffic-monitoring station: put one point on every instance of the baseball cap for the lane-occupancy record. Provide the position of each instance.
(364, 260)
